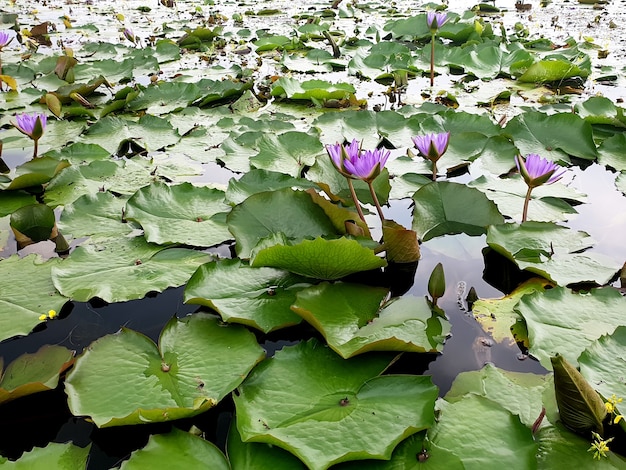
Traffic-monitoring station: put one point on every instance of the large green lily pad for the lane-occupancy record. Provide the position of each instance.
(176, 449)
(127, 379)
(552, 251)
(325, 409)
(320, 258)
(589, 316)
(124, 269)
(354, 319)
(286, 211)
(184, 214)
(257, 297)
(447, 208)
(27, 293)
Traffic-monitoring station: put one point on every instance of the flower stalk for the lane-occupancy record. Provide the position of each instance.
(434, 20)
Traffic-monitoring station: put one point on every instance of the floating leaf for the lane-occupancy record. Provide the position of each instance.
(62, 456)
(401, 244)
(257, 181)
(27, 293)
(551, 251)
(589, 316)
(603, 363)
(95, 215)
(124, 269)
(176, 449)
(257, 297)
(33, 373)
(552, 70)
(320, 258)
(183, 213)
(447, 208)
(330, 402)
(311, 90)
(290, 152)
(292, 213)
(354, 319)
(33, 223)
(126, 379)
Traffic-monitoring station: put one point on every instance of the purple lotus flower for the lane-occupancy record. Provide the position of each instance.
(352, 162)
(537, 170)
(5, 38)
(435, 20)
(31, 125)
(432, 146)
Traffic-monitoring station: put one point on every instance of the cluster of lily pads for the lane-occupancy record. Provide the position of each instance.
(120, 181)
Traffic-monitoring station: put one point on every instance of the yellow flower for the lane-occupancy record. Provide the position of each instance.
(610, 407)
(52, 314)
(617, 419)
(42, 317)
(599, 446)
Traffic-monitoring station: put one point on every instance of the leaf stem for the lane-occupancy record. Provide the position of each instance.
(36, 148)
(432, 61)
(526, 201)
(375, 198)
(357, 204)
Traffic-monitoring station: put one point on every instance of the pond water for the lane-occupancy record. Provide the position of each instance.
(45, 417)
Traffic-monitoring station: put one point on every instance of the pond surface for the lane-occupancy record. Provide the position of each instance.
(39, 419)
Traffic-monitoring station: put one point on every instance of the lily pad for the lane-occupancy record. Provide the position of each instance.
(311, 90)
(124, 269)
(589, 316)
(98, 215)
(257, 297)
(62, 456)
(551, 251)
(331, 404)
(603, 363)
(498, 317)
(447, 208)
(286, 211)
(183, 213)
(127, 379)
(320, 258)
(354, 319)
(27, 293)
(257, 181)
(32, 373)
(290, 152)
(176, 449)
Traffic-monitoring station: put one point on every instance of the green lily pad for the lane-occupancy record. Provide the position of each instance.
(603, 363)
(555, 136)
(78, 153)
(522, 394)
(256, 455)
(311, 90)
(124, 269)
(257, 297)
(35, 222)
(61, 456)
(480, 432)
(32, 373)
(552, 70)
(447, 208)
(547, 202)
(184, 214)
(551, 251)
(257, 181)
(610, 152)
(354, 319)
(98, 215)
(149, 133)
(127, 379)
(165, 97)
(10, 201)
(589, 316)
(319, 258)
(35, 173)
(331, 403)
(27, 293)
(286, 211)
(498, 318)
(288, 153)
(176, 449)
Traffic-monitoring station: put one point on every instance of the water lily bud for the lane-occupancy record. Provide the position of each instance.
(437, 283)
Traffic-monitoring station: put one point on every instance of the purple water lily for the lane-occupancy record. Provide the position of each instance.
(432, 147)
(32, 125)
(537, 171)
(354, 163)
(128, 34)
(436, 20)
(5, 39)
